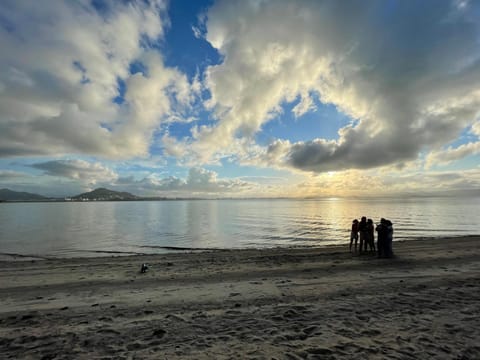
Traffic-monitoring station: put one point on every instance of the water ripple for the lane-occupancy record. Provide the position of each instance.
(86, 229)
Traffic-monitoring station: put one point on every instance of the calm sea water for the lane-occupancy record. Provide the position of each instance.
(97, 228)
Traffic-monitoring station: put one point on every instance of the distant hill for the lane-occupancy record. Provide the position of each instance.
(10, 195)
(102, 194)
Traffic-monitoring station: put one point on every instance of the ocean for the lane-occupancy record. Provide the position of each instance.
(85, 229)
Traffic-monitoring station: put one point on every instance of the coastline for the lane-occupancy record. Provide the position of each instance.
(171, 250)
(283, 303)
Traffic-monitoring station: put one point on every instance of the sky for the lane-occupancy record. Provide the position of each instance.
(251, 98)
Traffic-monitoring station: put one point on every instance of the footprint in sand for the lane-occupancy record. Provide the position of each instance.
(290, 313)
(371, 332)
(319, 351)
(159, 333)
(311, 330)
(27, 339)
(135, 346)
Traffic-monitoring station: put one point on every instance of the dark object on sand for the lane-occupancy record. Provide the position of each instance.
(144, 268)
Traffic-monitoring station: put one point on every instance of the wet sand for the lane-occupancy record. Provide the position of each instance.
(321, 303)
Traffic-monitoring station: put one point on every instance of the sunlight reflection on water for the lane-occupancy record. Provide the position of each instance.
(86, 229)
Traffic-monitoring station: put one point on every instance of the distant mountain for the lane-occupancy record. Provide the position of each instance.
(102, 194)
(10, 195)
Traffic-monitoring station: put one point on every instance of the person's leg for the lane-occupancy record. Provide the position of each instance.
(388, 252)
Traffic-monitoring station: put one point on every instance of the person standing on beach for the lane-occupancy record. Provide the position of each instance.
(389, 239)
(354, 234)
(371, 235)
(382, 233)
(362, 227)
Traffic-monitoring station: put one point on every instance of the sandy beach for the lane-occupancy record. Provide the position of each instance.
(323, 303)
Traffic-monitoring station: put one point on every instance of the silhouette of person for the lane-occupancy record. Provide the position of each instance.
(389, 239)
(371, 236)
(382, 233)
(354, 234)
(362, 227)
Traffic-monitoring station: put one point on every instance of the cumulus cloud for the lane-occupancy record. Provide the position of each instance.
(83, 171)
(64, 62)
(76, 79)
(407, 74)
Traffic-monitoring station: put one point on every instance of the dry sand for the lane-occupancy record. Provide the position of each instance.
(250, 304)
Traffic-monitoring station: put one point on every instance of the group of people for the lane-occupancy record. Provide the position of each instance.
(366, 229)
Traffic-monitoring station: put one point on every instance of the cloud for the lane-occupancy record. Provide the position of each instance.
(305, 105)
(63, 65)
(10, 175)
(444, 157)
(83, 171)
(451, 154)
(379, 182)
(197, 32)
(476, 129)
(381, 63)
(434, 183)
(198, 182)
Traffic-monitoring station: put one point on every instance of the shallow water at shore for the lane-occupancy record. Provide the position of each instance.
(116, 228)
